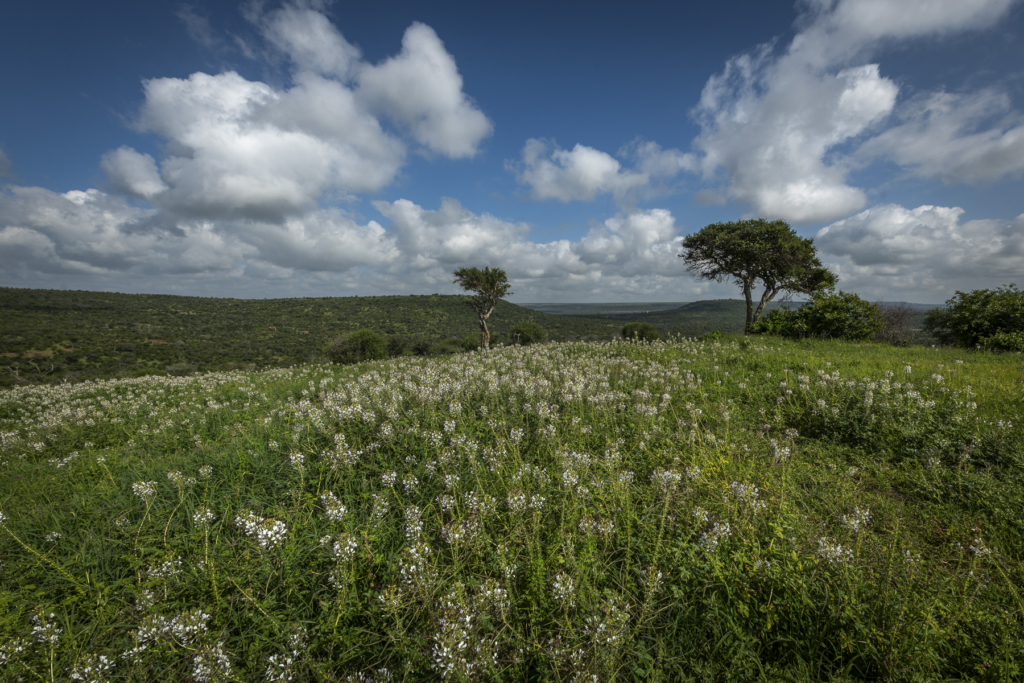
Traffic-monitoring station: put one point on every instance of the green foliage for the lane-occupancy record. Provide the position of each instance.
(840, 315)
(357, 347)
(398, 344)
(490, 285)
(986, 318)
(55, 336)
(716, 510)
(753, 251)
(640, 332)
(527, 333)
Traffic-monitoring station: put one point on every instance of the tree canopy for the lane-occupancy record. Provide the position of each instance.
(490, 285)
(752, 251)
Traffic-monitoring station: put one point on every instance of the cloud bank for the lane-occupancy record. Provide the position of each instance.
(778, 123)
(924, 252)
(241, 148)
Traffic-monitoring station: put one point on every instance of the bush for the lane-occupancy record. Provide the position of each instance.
(640, 332)
(470, 342)
(421, 347)
(896, 319)
(986, 318)
(357, 347)
(827, 316)
(397, 345)
(528, 333)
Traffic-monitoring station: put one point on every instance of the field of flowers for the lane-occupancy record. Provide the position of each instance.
(690, 510)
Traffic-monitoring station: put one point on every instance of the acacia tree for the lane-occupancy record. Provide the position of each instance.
(490, 284)
(757, 250)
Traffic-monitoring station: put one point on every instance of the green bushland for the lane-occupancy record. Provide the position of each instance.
(735, 509)
(828, 315)
(528, 333)
(640, 332)
(54, 336)
(990, 319)
(359, 346)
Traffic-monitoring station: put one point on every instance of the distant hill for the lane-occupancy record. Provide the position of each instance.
(82, 335)
(600, 309)
(51, 335)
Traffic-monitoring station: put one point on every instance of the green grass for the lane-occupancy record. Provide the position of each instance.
(742, 509)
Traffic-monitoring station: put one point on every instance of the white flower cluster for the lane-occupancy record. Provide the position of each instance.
(282, 667)
(979, 548)
(45, 629)
(595, 525)
(666, 480)
(95, 669)
(834, 553)
(179, 479)
(719, 532)
(857, 519)
(389, 479)
(460, 530)
(413, 564)
(269, 533)
(211, 662)
(297, 460)
(333, 508)
(700, 514)
(413, 523)
(344, 548)
(564, 590)
(165, 570)
(609, 628)
(410, 484)
(145, 490)
(205, 471)
(749, 494)
(203, 517)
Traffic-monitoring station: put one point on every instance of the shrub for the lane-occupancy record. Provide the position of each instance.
(986, 318)
(640, 332)
(827, 316)
(421, 347)
(896, 323)
(528, 333)
(358, 346)
(397, 345)
(470, 342)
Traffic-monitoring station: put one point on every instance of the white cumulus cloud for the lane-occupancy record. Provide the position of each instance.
(236, 148)
(777, 121)
(952, 137)
(421, 89)
(925, 252)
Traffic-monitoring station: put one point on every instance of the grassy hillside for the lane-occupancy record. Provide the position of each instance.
(738, 510)
(598, 309)
(53, 335)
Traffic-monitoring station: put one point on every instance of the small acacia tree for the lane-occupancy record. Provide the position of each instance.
(490, 285)
(752, 251)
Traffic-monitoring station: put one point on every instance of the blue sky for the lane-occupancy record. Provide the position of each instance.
(331, 149)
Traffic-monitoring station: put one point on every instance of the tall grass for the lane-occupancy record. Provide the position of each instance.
(721, 510)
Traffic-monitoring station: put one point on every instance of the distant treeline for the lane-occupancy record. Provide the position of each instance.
(50, 335)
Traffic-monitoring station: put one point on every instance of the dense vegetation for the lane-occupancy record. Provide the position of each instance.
(48, 335)
(720, 510)
(983, 318)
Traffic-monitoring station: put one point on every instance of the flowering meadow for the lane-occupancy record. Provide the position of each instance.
(687, 510)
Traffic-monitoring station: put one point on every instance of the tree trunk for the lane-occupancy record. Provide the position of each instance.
(766, 299)
(485, 335)
(750, 307)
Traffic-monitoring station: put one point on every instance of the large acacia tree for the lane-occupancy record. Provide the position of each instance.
(752, 251)
(490, 284)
